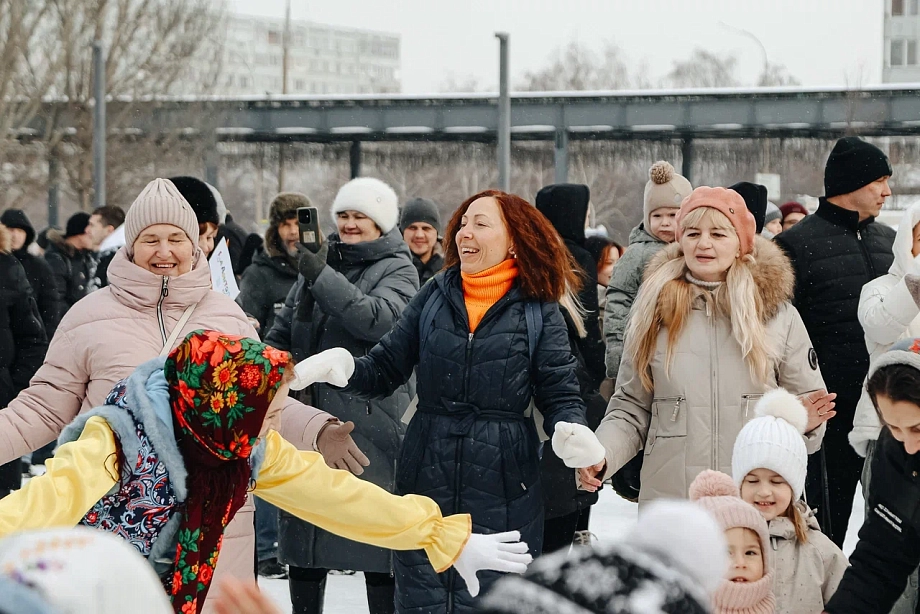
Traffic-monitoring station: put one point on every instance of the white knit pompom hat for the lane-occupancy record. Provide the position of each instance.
(369, 196)
(773, 440)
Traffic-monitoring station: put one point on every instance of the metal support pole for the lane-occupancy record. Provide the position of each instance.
(99, 125)
(686, 154)
(212, 162)
(354, 157)
(504, 114)
(561, 156)
(53, 189)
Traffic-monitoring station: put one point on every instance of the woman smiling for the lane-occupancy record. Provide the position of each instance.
(711, 331)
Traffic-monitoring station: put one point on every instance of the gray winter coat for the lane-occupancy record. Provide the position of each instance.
(354, 302)
(265, 286)
(621, 292)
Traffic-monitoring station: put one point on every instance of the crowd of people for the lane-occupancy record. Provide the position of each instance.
(436, 406)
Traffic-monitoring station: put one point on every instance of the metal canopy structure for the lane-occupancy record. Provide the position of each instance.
(556, 116)
(711, 113)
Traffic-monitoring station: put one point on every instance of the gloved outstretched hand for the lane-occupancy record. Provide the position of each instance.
(499, 552)
(339, 450)
(311, 265)
(577, 445)
(333, 366)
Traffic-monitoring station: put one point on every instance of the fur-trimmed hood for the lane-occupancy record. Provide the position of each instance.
(6, 240)
(772, 272)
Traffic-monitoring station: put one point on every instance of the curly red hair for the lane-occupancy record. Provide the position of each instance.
(546, 268)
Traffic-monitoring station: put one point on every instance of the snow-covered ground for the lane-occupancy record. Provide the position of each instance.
(610, 518)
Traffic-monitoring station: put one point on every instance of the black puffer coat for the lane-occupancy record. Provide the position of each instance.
(51, 304)
(74, 269)
(834, 255)
(565, 205)
(469, 447)
(354, 302)
(265, 285)
(22, 336)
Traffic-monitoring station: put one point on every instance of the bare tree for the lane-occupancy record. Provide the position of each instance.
(152, 46)
(460, 84)
(776, 74)
(702, 69)
(576, 67)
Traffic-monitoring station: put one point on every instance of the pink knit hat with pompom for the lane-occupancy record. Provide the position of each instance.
(717, 493)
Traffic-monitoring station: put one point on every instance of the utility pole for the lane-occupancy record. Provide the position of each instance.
(504, 115)
(99, 125)
(285, 59)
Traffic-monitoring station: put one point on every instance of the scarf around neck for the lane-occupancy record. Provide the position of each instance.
(220, 388)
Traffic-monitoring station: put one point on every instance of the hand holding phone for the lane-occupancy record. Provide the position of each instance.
(311, 236)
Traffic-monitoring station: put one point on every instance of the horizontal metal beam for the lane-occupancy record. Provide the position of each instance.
(761, 113)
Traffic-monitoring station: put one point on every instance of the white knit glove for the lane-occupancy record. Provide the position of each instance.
(498, 552)
(334, 366)
(577, 445)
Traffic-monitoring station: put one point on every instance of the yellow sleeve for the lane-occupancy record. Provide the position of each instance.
(302, 484)
(80, 474)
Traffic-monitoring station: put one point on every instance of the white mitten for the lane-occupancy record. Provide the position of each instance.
(499, 552)
(334, 366)
(577, 445)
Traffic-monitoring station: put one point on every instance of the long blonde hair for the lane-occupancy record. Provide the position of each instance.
(665, 299)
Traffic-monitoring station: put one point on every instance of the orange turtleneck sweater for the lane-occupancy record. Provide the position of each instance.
(482, 290)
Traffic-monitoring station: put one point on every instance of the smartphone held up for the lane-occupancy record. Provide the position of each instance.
(310, 235)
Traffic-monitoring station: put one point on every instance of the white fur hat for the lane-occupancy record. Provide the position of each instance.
(373, 198)
(773, 440)
(82, 571)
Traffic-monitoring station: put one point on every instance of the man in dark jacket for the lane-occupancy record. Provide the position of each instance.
(835, 252)
(50, 302)
(565, 205)
(102, 223)
(267, 281)
(72, 258)
(22, 342)
(420, 223)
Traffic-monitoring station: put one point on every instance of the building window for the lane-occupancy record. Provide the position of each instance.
(912, 8)
(912, 53)
(897, 7)
(897, 53)
(244, 81)
(300, 85)
(274, 37)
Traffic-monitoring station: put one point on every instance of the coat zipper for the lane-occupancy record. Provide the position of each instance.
(865, 253)
(676, 400)
(713, 380)
(164, 292)
(458, 460)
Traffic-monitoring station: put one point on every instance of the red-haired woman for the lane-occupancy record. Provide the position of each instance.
(469, 334)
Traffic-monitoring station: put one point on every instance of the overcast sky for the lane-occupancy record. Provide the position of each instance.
(821, 42)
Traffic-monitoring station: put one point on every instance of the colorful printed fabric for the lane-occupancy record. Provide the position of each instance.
(220, 388)
(144, 502)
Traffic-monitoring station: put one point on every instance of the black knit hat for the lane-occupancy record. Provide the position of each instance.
(853, 163)
(565, 205)
(755, 197)
(200, 197)
(420, 210)
(17, 218)
(76, 224)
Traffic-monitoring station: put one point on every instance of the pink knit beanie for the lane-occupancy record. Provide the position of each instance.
(717, 492)
(160, 202)
(730, 204)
